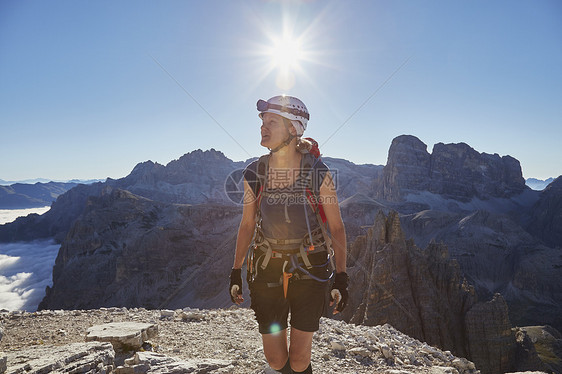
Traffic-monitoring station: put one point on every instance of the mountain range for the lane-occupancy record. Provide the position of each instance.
(538, 184)
(24, 195)
(39, 192)
(45, 180)
(452, 234)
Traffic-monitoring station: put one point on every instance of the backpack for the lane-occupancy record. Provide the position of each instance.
(311, 156)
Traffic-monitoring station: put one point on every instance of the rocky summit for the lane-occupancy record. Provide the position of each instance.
(453, 170)
(200, 341)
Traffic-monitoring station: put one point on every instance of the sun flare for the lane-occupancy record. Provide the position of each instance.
(286, 53)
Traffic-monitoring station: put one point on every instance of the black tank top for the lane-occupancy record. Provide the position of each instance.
(285, 211)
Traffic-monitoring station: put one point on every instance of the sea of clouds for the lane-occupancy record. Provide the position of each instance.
(25, 267)
(9, 215)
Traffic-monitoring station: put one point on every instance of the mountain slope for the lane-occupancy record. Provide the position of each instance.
(22, 196)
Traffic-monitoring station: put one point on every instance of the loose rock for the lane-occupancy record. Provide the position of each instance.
(124, 336)
(222, 341)
(91, 357)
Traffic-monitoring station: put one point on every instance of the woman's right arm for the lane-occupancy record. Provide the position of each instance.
(247, 226)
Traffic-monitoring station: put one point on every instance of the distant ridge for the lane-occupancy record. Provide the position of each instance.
(538, 184)
(45, 180)
(23, 196)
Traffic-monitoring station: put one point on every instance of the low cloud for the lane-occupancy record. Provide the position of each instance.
(26, 270)
(9, 215)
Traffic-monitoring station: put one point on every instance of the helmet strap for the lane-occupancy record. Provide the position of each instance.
(284, 144)
(287, 141)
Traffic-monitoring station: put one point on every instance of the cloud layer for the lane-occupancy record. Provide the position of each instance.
(25, 270)
(9, 215)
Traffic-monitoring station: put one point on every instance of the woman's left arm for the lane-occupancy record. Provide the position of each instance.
(329, 201)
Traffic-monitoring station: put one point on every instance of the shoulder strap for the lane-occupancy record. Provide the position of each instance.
(312, 187)
(261, 174)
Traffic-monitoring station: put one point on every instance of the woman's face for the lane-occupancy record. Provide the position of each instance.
(273, 130)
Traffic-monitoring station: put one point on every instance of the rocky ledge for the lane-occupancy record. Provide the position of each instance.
(198, 341)
(123, 341)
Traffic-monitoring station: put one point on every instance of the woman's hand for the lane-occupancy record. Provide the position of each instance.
(235, 288)
(339, 294)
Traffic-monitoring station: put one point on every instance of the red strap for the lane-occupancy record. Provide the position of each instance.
(258, 198)
(316, 205)
(322, 213)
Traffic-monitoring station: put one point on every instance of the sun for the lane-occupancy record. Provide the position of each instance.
(286, 53)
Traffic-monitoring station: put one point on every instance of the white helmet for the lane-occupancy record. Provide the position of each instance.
(288, 107)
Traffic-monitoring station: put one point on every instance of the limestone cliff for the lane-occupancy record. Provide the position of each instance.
(489, 335)
(126, 250)
(453, 170)
(497, 255)
(422, 293)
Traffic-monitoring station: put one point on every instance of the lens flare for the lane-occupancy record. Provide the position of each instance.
(275, 328)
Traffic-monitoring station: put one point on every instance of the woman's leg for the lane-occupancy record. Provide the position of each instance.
(300, 349)
(275, 349)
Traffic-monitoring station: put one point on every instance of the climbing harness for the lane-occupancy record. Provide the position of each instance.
(294, 252)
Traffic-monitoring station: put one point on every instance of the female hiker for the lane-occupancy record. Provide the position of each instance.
(290, 203)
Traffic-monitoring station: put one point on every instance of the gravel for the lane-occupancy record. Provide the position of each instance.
(232, 335)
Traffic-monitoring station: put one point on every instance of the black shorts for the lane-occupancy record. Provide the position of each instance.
(306, 300)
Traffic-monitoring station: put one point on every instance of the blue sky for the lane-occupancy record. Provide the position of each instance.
(88, 89)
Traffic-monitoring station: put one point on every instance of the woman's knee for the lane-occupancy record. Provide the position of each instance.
(275, 349)
(276, 362)
(300, 349)
(299, 360)
(299, 363)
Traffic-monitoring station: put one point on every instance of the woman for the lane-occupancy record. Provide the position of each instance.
(289, 198)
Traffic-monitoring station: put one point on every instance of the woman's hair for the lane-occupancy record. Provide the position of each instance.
(303, 145)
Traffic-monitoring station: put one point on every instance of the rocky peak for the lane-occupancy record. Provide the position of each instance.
(455, 171)
(423, 294)
(407, 167)
(145, 167)
(198, 159)
(208, 155)
(489, 335)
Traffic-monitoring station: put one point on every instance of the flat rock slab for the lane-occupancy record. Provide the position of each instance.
(92, 357)
(156, 363)
(3, 362)
(124, 336)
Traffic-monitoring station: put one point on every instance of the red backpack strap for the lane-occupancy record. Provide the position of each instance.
(314, 150)
(316, 205)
